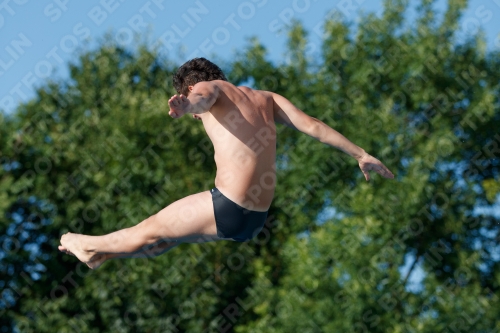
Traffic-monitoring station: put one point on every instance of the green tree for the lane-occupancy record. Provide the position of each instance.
(427, 107)
(98, 152)
(91, 155)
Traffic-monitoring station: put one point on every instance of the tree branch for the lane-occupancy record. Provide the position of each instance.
(411, 269)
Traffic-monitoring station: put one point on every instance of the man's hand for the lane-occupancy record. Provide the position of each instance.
(179, 106)
(370, 163)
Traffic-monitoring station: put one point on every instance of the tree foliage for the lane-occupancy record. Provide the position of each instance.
(98, 152)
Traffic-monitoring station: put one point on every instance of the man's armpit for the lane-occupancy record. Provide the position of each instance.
(282, 118)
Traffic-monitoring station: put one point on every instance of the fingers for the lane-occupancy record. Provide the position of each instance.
(174, 101)
(389, 174)
(177, 100)
(173, 114)
(367, 176)
(378, 168)
(384, 171)
(177, 105)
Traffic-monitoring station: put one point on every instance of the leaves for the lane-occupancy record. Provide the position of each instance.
(98, 152)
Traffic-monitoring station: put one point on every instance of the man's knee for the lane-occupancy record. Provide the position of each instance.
(148, 230)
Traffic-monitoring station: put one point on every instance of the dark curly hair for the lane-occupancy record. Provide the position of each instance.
(194, 71)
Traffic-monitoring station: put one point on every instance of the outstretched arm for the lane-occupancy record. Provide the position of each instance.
(288, 114)
(200, 100)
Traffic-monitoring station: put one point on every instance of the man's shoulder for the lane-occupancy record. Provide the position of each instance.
(228, 85)
(214, 84)
(203, 84)
(246, 89)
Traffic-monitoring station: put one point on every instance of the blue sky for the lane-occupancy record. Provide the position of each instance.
(38, 38)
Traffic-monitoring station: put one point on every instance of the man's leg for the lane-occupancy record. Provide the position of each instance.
(154, 251)
(188, 220)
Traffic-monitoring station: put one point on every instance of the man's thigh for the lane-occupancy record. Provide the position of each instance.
(190, 219)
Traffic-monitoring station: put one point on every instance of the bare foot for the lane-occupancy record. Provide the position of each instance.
(97, 260)
(72, 244)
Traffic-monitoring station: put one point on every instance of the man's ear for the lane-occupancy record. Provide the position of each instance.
(190, 88)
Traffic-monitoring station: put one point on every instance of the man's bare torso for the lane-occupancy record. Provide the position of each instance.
(241, 127)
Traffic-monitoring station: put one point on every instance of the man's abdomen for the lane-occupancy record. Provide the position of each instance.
(251, 187)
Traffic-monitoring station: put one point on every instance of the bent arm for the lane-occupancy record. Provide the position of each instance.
(288, 114)
(202, 97)
(200, 100)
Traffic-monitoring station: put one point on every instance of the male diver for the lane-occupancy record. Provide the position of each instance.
(240, 122)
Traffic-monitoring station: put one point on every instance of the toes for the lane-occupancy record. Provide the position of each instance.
(65, 250)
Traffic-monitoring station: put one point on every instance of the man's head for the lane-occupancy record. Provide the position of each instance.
(194, 71)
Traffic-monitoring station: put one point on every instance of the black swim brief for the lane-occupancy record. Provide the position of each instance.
(233, 221)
